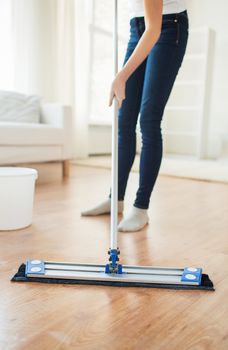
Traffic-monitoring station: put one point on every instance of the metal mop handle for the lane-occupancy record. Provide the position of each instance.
(114, 192)
(114, 267)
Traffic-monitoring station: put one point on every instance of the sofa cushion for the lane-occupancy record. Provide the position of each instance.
(12, 133)
(18, 107)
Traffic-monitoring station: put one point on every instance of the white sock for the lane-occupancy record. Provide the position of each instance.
(103, 208)
(136, 219)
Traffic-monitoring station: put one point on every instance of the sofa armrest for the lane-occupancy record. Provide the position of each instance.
(56, 114)
(60, 116)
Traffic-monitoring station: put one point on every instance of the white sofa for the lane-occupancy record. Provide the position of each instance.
(49, 140)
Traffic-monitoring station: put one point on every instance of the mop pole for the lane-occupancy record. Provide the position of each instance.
(114, 196)
(114, 251)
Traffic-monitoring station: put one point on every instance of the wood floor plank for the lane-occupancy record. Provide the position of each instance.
(188, 226)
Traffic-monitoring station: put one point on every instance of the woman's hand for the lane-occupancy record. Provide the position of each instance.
(118, 89)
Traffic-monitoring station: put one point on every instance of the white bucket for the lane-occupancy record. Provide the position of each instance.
(17, 187)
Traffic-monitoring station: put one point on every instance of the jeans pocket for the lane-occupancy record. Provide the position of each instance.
(170, 32)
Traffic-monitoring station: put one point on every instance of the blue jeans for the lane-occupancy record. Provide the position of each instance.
(147, 92)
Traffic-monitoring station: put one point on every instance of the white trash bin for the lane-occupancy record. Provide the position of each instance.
(17, 187)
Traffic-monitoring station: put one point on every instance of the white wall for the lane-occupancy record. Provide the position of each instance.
(214, 14)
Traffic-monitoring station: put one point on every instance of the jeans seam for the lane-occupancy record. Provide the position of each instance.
(178, 29)
(137, 92)
(178, 33)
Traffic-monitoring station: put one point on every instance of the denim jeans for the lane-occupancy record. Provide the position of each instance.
(147, 92)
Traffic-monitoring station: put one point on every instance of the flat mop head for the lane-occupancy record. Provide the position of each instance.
(131, 276)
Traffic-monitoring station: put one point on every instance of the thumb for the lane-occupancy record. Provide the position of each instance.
(111, 97)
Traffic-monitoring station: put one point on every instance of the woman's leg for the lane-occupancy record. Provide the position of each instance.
(127, 120)
(162, 67)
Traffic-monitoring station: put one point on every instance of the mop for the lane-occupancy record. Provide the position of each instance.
(113, 273)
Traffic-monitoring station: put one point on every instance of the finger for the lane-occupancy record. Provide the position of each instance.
(120, 100)
(117, 100)
(111, 98)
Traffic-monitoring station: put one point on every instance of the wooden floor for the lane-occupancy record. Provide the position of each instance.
(188, 226)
